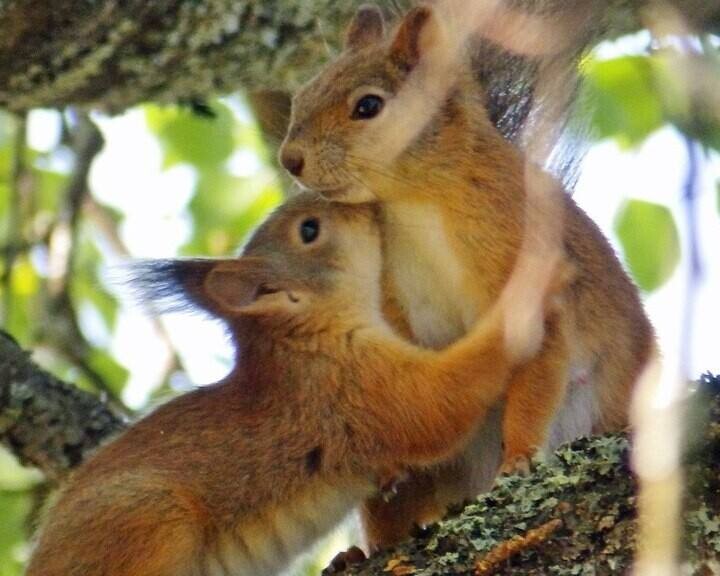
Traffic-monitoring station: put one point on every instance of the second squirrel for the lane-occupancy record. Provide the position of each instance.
(324, 404)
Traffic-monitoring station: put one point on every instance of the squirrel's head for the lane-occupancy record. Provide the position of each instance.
(354, 125)
(311, 258)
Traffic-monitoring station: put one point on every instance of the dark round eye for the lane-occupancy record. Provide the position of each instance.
(309, 230)
(368, 107)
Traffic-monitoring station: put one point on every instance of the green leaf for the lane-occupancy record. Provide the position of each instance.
(6, 127)
(89, 289)
(192, 138)
(624, 101)
(650, 242)
(14, 509)
(24, 299)
(13, 476)
(225, 209)
(48, 187)
(6, 152)
(113, 373)
(694, 116)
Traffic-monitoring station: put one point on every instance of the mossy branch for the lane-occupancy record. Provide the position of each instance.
(112, 55)
(574, 514)
(45, 422)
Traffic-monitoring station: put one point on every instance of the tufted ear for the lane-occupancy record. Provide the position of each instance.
(366, 27)
(225, 288)
(252, 286)
(417, 31)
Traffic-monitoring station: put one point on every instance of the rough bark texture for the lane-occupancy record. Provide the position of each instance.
(113, 54)
(45, 422)
(582, 500)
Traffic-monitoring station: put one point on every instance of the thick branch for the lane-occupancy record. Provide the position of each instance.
(114, 54)
(575, 514)
(45, 422)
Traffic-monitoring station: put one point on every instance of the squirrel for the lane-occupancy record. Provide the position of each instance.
(453, 207)
(324, 403)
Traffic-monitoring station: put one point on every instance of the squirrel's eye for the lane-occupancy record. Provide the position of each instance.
(368, 107)
(309, 230)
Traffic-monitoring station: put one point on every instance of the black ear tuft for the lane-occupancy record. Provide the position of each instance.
(366, 27)
(171, 285)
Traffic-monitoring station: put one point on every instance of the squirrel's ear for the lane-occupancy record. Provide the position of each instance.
(251, 286)
(418, 30)
(367, 27)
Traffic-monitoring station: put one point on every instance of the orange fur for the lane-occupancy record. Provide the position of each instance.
(453, 209)
(239, 477)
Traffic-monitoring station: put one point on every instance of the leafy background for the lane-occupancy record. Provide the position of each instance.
(205, 181)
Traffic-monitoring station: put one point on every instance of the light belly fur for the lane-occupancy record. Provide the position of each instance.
(429, 284)
(426, 274)
(267, 545)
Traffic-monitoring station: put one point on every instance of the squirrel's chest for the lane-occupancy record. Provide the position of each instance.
(428, 278)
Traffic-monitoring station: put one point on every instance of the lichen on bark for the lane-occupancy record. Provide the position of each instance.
(45, 422)
(587, 485)
(112, 55)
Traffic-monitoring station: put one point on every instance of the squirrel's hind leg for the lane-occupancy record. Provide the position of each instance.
(534, 395)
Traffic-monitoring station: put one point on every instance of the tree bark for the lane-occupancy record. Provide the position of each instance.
(574, 514)
(45, 422)
(111, 55)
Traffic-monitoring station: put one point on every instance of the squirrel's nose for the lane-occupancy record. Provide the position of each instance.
(293, 161)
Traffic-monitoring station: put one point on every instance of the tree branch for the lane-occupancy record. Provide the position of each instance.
(45, 422)
(574, 514)
(61, 329)
(14, 241)
(113, 54)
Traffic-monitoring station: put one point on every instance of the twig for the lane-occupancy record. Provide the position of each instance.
(64, 331)
(104, 222)
(509, 548)
(87, 143)
(14, 235)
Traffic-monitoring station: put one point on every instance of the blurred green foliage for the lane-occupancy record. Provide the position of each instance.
(624, 103)
(650, 239)
(224, 209)
(629, 98)
(44, 295)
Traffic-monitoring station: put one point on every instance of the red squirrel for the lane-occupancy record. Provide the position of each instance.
(453, 207)
(324, 403)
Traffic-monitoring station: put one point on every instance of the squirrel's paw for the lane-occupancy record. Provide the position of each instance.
(388, 479)
(519, 464)
(342, 560)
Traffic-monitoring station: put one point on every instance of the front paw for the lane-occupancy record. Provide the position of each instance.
(388, 479)
(518, 464)
(343, 560)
